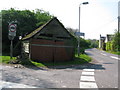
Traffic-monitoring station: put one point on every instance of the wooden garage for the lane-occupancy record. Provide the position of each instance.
(50, 43)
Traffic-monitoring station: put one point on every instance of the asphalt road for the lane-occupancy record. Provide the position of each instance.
(102, 72)
(106, 70)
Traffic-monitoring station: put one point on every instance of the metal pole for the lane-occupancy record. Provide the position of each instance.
(118, 24)
(79, 28)
(118, 31)
(79, 36)
(11, 50)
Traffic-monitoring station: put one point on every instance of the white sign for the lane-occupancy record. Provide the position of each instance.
(12, 30)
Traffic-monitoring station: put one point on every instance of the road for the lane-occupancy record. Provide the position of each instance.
(106, 74)
(102, 72)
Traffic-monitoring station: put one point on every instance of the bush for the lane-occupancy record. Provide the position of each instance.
(109, 46)
(82, 50)
(114, 45)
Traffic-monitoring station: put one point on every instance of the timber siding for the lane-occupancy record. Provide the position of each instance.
(50, 50)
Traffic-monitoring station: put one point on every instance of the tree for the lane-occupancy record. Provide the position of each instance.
(71, 30)
(42, 17)
(114, 45)
(27, 22)
(93, 43)
(116, 41)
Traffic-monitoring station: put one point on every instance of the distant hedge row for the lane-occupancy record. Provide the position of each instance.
(109, 46)
(114, 45)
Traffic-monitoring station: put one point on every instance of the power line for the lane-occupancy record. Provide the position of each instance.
(106, 24)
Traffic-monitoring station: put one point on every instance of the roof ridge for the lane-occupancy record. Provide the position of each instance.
(37, 30)
(41, 27)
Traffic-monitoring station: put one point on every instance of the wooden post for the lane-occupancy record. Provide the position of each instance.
(11, 49)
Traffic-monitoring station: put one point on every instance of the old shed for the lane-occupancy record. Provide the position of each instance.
(50, 43)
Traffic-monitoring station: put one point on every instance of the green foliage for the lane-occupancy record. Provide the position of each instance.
(116, 41)
(83, 58)
(84, 43)
(27, 21)
(114, 45)
(109, 46)
(6, 59)
(90, 43)
(82, 50)
(113, 52)
(93, 43)
(42, 16)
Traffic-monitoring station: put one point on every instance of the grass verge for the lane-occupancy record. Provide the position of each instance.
(83, 58)
(112, 52)
(117, 53)
(6, 59)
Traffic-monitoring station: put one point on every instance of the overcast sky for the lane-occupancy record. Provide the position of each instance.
(97, 17)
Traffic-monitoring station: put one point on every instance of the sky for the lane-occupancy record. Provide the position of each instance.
(97, 17)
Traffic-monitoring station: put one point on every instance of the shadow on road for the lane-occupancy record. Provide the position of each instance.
(92, 65)
(89, 54)
(28, 64)
(83, 66)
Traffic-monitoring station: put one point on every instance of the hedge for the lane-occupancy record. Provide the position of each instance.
(110, 46)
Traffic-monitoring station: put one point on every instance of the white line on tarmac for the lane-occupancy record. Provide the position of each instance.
(88, 85)
(115, 57)
(87, 78)
(89, 70)
(64, 86)
(103, 54)
(87, 73)
(4, 84)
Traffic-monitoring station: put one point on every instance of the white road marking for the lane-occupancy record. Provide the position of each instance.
(87, 78)
(5, 84)
(64, 86)
(89, 70)
(88, 85)
(103, 54)
(87, 73)
(115, 57)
